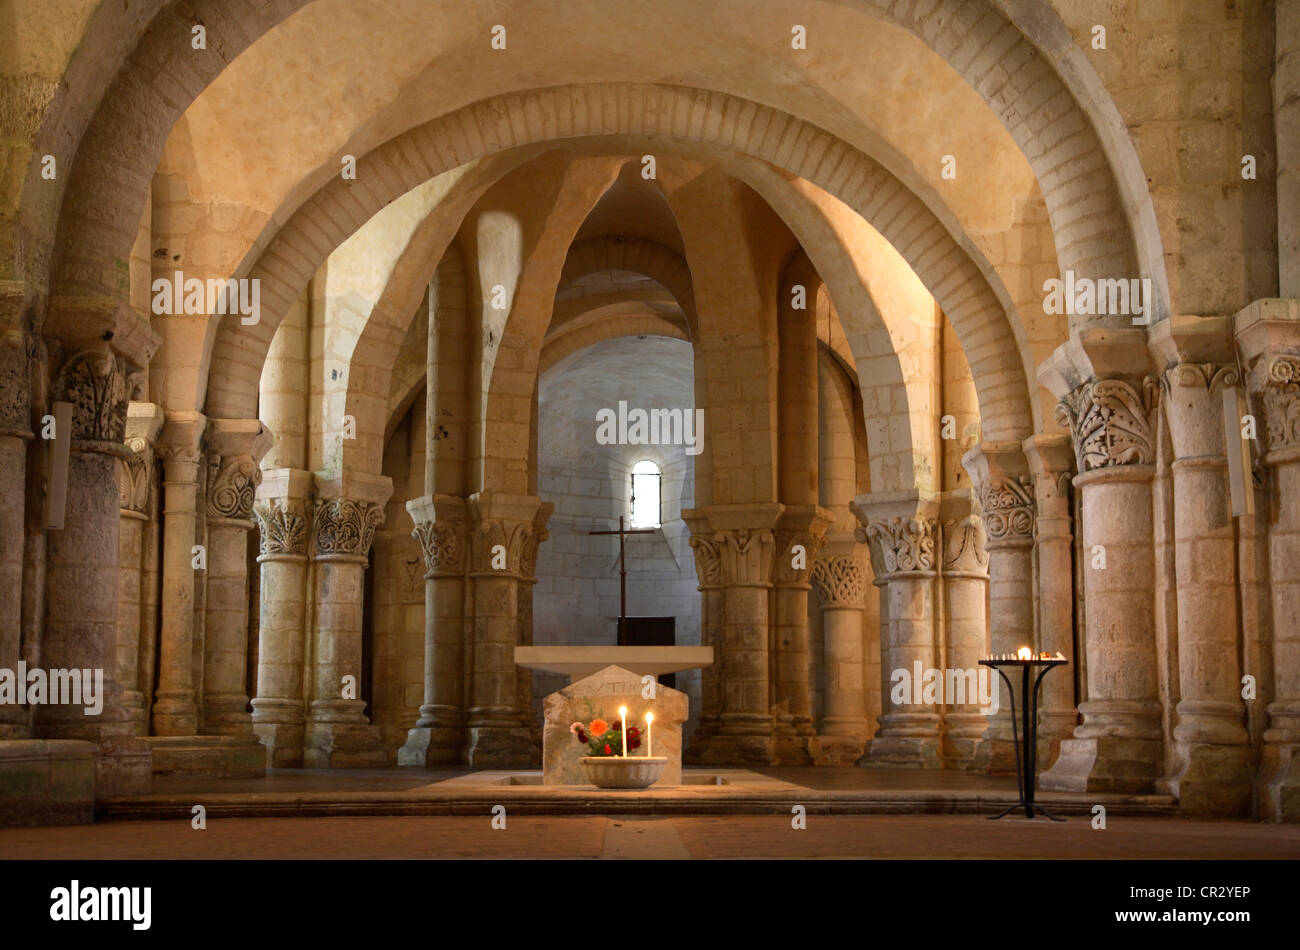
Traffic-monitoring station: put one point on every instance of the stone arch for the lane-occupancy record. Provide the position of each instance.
(638, 255)
(332, 213)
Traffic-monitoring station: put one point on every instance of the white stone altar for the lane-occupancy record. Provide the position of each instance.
(601, 694)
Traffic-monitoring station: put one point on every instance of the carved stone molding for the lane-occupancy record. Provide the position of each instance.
(1280, 385)
(345, 528)
(708, 566)
(231, 484)
(1110, 422)
(1208, 376)
(442, 543)
(1007, 505)
(841, 581)
(964, 550)
(97, 384)
(903, 545)
(283, 527)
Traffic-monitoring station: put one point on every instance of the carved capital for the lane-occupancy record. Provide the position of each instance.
(784, 570)
(1007, 505)
(745, 556)
(708, 566)
(1278, 380)
(345, 528)
(903, 545)
(16, 355)
(231, 484)
(1110, 422)
(841, 581)
(964, 550)
(97, 384)
(498, 547)
(283, 525)
(133, 475)
(443, 545)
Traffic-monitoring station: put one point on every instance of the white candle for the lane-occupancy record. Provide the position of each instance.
(649, 725)
(622, 715)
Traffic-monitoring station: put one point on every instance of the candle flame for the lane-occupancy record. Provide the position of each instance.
(649, 717)
(1024, 653)
(622, 710)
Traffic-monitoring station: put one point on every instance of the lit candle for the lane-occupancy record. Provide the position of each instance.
(1024, 653)
(622, 715)
(649, 725)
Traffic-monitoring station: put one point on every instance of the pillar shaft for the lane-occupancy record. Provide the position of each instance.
(15, 432)
(841, 584)
(965, 587)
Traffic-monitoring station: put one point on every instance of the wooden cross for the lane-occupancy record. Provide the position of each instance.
(622, 573)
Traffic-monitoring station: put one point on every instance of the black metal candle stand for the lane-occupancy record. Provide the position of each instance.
(1026, 762)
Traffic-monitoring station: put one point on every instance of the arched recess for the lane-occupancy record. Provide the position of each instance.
(948, 271)
(634, 254)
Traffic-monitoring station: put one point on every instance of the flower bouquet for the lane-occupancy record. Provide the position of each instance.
(605, 764)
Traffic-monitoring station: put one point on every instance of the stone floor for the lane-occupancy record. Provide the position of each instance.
(877, 836)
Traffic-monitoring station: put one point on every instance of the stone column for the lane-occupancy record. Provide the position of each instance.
(283, 511)
(135, 490)
(438, 737)
(965, 590)
(527, 581)
(903, 551)
(1118, 746)
(175, 708)
(1000, 475)
(82, 577)
(1212, 774)
(1051, 462)
(15, 432)
(841, 584)
(800, 534)
(338, 734)
(231, 488)
(1269, 335)
(708, 570)
(503, 525)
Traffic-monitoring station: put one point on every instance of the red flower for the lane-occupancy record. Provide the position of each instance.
(582, 736)
(634, 733)
(608, 750)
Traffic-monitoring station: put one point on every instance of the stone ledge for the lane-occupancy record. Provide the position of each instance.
(46, 782)
(218, 756)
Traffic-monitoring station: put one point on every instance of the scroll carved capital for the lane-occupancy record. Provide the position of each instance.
(99, 388)
(1280, 384)
(442, 543)
(134, 473)
(345, 528)
(231, 485)
(1110, 422)
(708, 565)
(903, 545)
(1008, 507)
(283, 527)
(841, 581)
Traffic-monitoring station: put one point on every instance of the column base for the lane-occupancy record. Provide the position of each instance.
(219, 756)
(700, 740)
(493, 746)
(1212, 781)
(902, 752)
(226, 716)
(175, 714)
(793, 750)
(46, 782)
(123, 767)
(278, 725)
(1104, 764)
(963, 734)
(995, 755)
(833, 748)
(343, 745)
(1277, 788)
(428, 746)
(1053, 729)
(739, 750)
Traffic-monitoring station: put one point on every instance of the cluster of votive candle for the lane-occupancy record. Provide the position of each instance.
(649, 724)
(1024, 653)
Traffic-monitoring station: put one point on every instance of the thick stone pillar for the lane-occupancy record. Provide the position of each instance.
(708, 571)
(338, 734)
(904, 555)
(841, 584)
(527, 581)
(1051, 462)
(82, 578)
(235, 476)
(15, 432)
(744, 538)
(136, 496)
(1000, 475)
(438, 737)
(502, 528)
(1212, 774)
(175, 708)
(283, 511)
(800, 534)
(1118, 747)
(1268, 332)
(965, 593)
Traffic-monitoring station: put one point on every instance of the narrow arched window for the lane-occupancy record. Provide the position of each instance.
(646, 484)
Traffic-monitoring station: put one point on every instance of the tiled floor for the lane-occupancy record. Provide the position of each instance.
(878, 836)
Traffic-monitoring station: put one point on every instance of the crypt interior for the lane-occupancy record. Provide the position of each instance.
(310, 534)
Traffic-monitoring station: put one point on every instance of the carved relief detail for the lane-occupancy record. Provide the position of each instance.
(344, 527)
(841, 581)
(231, 485)
(903, 545)
(1110, 422)
(1008, 507)
(283, 527)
